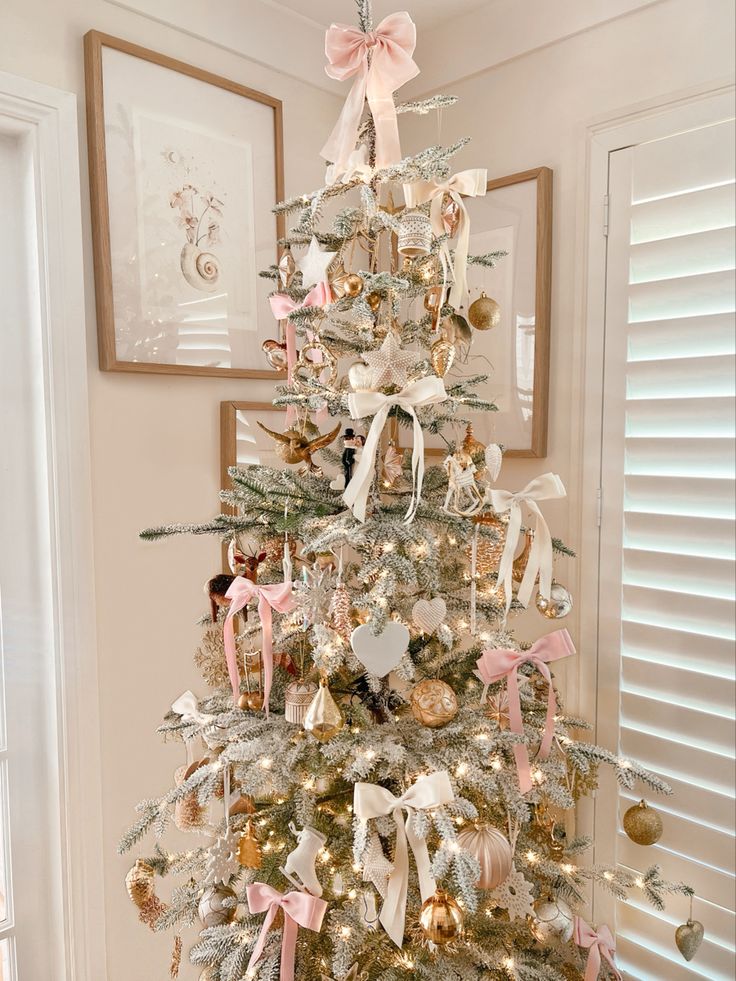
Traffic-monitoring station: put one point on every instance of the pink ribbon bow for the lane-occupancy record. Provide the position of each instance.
(282, 307)
(300, 909)
(597, 943)
(389, 66)
(276, 597)
(495, 664)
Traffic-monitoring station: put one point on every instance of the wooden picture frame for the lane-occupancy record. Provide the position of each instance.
(229, 435)
(245, 297)
(489, 427)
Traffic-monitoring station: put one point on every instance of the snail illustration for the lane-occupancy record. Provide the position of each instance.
(200, 269)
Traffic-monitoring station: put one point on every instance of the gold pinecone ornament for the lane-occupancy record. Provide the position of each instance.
(643, 824)
(441, 919)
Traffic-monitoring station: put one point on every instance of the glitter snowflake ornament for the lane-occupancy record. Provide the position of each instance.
(391, 364)
(515, 895)
(222, 862)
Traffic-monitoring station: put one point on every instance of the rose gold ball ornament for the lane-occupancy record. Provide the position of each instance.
(643, 824)
(323, 719)
(552, 921)
(212, 909)
(441, 919)
(251, 701)
(484, 313)
(493, 852)
(558, 605)
(433, 703)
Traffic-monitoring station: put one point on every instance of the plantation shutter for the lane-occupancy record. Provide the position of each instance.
(667, 527)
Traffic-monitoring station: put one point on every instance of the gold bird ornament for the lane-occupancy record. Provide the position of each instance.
(294, 447)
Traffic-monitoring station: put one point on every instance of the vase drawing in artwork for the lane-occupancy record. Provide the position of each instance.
(198, 214)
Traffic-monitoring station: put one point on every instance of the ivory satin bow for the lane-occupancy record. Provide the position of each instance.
(381, 61)
(187, 707)
(282, 307)
(468, 183)
(427, 391)
(372, 801)
(498, 663)
(597, 943)
(300, 909)
(548, 487)
(276, 597)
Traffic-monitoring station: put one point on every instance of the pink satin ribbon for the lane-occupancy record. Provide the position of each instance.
(498, 663)
(276, 597)
(300, 909)
(390, 66)
(282, 306)
(597, 944)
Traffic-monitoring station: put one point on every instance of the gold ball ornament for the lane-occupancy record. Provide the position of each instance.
(354, 284)
(688, 937)
(323, 719)
(139, 883)
(433, 703)
(212, 909)
(643, 824)
(553, 920)
(441, 919)
(484, 313)
(493, 852)
(558, 605)
(251, 701)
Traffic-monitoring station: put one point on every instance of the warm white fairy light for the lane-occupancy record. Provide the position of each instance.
(265, 763)
(461, 769)
(567, 868)
(532, 857)
(496, 764)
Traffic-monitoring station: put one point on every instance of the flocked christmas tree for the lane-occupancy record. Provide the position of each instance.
(385, 772)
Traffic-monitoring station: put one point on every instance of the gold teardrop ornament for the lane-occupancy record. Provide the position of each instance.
(323, 719)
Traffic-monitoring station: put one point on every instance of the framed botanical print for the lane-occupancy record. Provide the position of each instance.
(185, 167)
(515, 217)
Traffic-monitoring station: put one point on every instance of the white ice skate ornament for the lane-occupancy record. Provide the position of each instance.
(299, 867)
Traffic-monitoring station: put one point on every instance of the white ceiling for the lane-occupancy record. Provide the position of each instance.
(426, 14)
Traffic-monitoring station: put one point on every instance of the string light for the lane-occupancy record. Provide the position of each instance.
(532, 857)
(265, 763)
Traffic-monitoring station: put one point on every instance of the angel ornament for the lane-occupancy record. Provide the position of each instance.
(294, 447)
(463, 496)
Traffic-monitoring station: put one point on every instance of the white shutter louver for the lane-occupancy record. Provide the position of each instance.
(668, 492)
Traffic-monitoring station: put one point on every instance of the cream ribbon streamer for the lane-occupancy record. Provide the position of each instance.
(372, 801)
(468, 183)
(187, 707)
(427, 391)
(548, 487)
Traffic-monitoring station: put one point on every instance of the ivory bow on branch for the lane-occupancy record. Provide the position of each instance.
(187, 707)
(300, 909)
(468, 183)
(498, 663)
(545, 488)
(381, 62)
(372, 801)
(275, 597)
(597, 943)
(426, 391)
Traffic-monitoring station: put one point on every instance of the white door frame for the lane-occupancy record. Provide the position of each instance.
(46, 120)
(649, 121)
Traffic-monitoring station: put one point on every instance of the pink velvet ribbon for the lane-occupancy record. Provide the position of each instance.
(275, 597)
(300, 909)
(282, 306)
(389, 66)
(498, 663)
(597, 943)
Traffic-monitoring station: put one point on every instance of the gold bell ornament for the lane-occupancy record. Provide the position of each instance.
(249, 849)
(492, 851)
(433, 703)
(643, 824)
(441, 919)
(484, 313)
(323, 719)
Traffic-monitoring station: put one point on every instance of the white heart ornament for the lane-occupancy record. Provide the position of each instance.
(380, 653)
(361, 377)
(429, 614)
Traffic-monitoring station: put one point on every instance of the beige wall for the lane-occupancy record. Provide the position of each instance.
(155, 439)
(155, 457)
